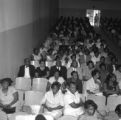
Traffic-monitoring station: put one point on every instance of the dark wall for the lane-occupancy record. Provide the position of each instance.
(45, 14)
(109, 8)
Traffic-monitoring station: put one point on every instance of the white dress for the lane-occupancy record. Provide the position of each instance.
(53, 101)
(7, 98)
(70, 98)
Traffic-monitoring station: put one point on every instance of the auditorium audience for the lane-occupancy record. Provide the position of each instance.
(74, 59)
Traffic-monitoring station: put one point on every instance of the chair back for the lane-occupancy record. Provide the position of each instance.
(33, 98)
(99, 100)
(112, 102)
(22, 83)
(39, 84)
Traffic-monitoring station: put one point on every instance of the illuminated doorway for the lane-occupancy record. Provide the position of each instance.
(94, 17)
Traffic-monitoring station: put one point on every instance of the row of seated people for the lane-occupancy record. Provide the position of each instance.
(107, 81)
(56, 103)
(113, 26)
(90, 113)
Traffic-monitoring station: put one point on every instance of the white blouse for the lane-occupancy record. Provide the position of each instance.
(7, 98)
(53, 100)
(70, 98)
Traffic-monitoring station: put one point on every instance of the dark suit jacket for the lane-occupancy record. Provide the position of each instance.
(63, 71)
(110, 68)
(22, 71)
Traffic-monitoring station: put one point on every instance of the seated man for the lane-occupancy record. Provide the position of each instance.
(62, 69)
(52, 102)
(26, 70)
(93, 85)
(73, 101)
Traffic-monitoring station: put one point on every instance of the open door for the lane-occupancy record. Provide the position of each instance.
(94, 17)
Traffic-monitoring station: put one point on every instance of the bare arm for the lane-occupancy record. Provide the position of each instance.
(77, 105)
(48, 86)
(15, 95)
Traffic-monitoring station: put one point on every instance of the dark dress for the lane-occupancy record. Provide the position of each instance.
(42, 73)
(112, 87)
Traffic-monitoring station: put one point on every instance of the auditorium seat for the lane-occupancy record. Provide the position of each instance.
(23, 84)
(39, 84)
(112, 102)
(99, 100)
(33, 97)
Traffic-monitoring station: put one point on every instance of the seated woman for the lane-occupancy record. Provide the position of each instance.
(42, 71)
(76, 80)
(111, 85)
(90, 111)
(73, 101)
(52, 102)
(8, 96)
(56, 78)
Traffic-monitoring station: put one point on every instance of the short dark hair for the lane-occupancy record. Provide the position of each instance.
(74, 72)
(25, 59)
(57, 84)
(102, 64)
(6, 80)
(90, 103)
(118, 109)
(90, 62)
(94, 72)
(41, 61)
(72, 83)
(40, 117)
